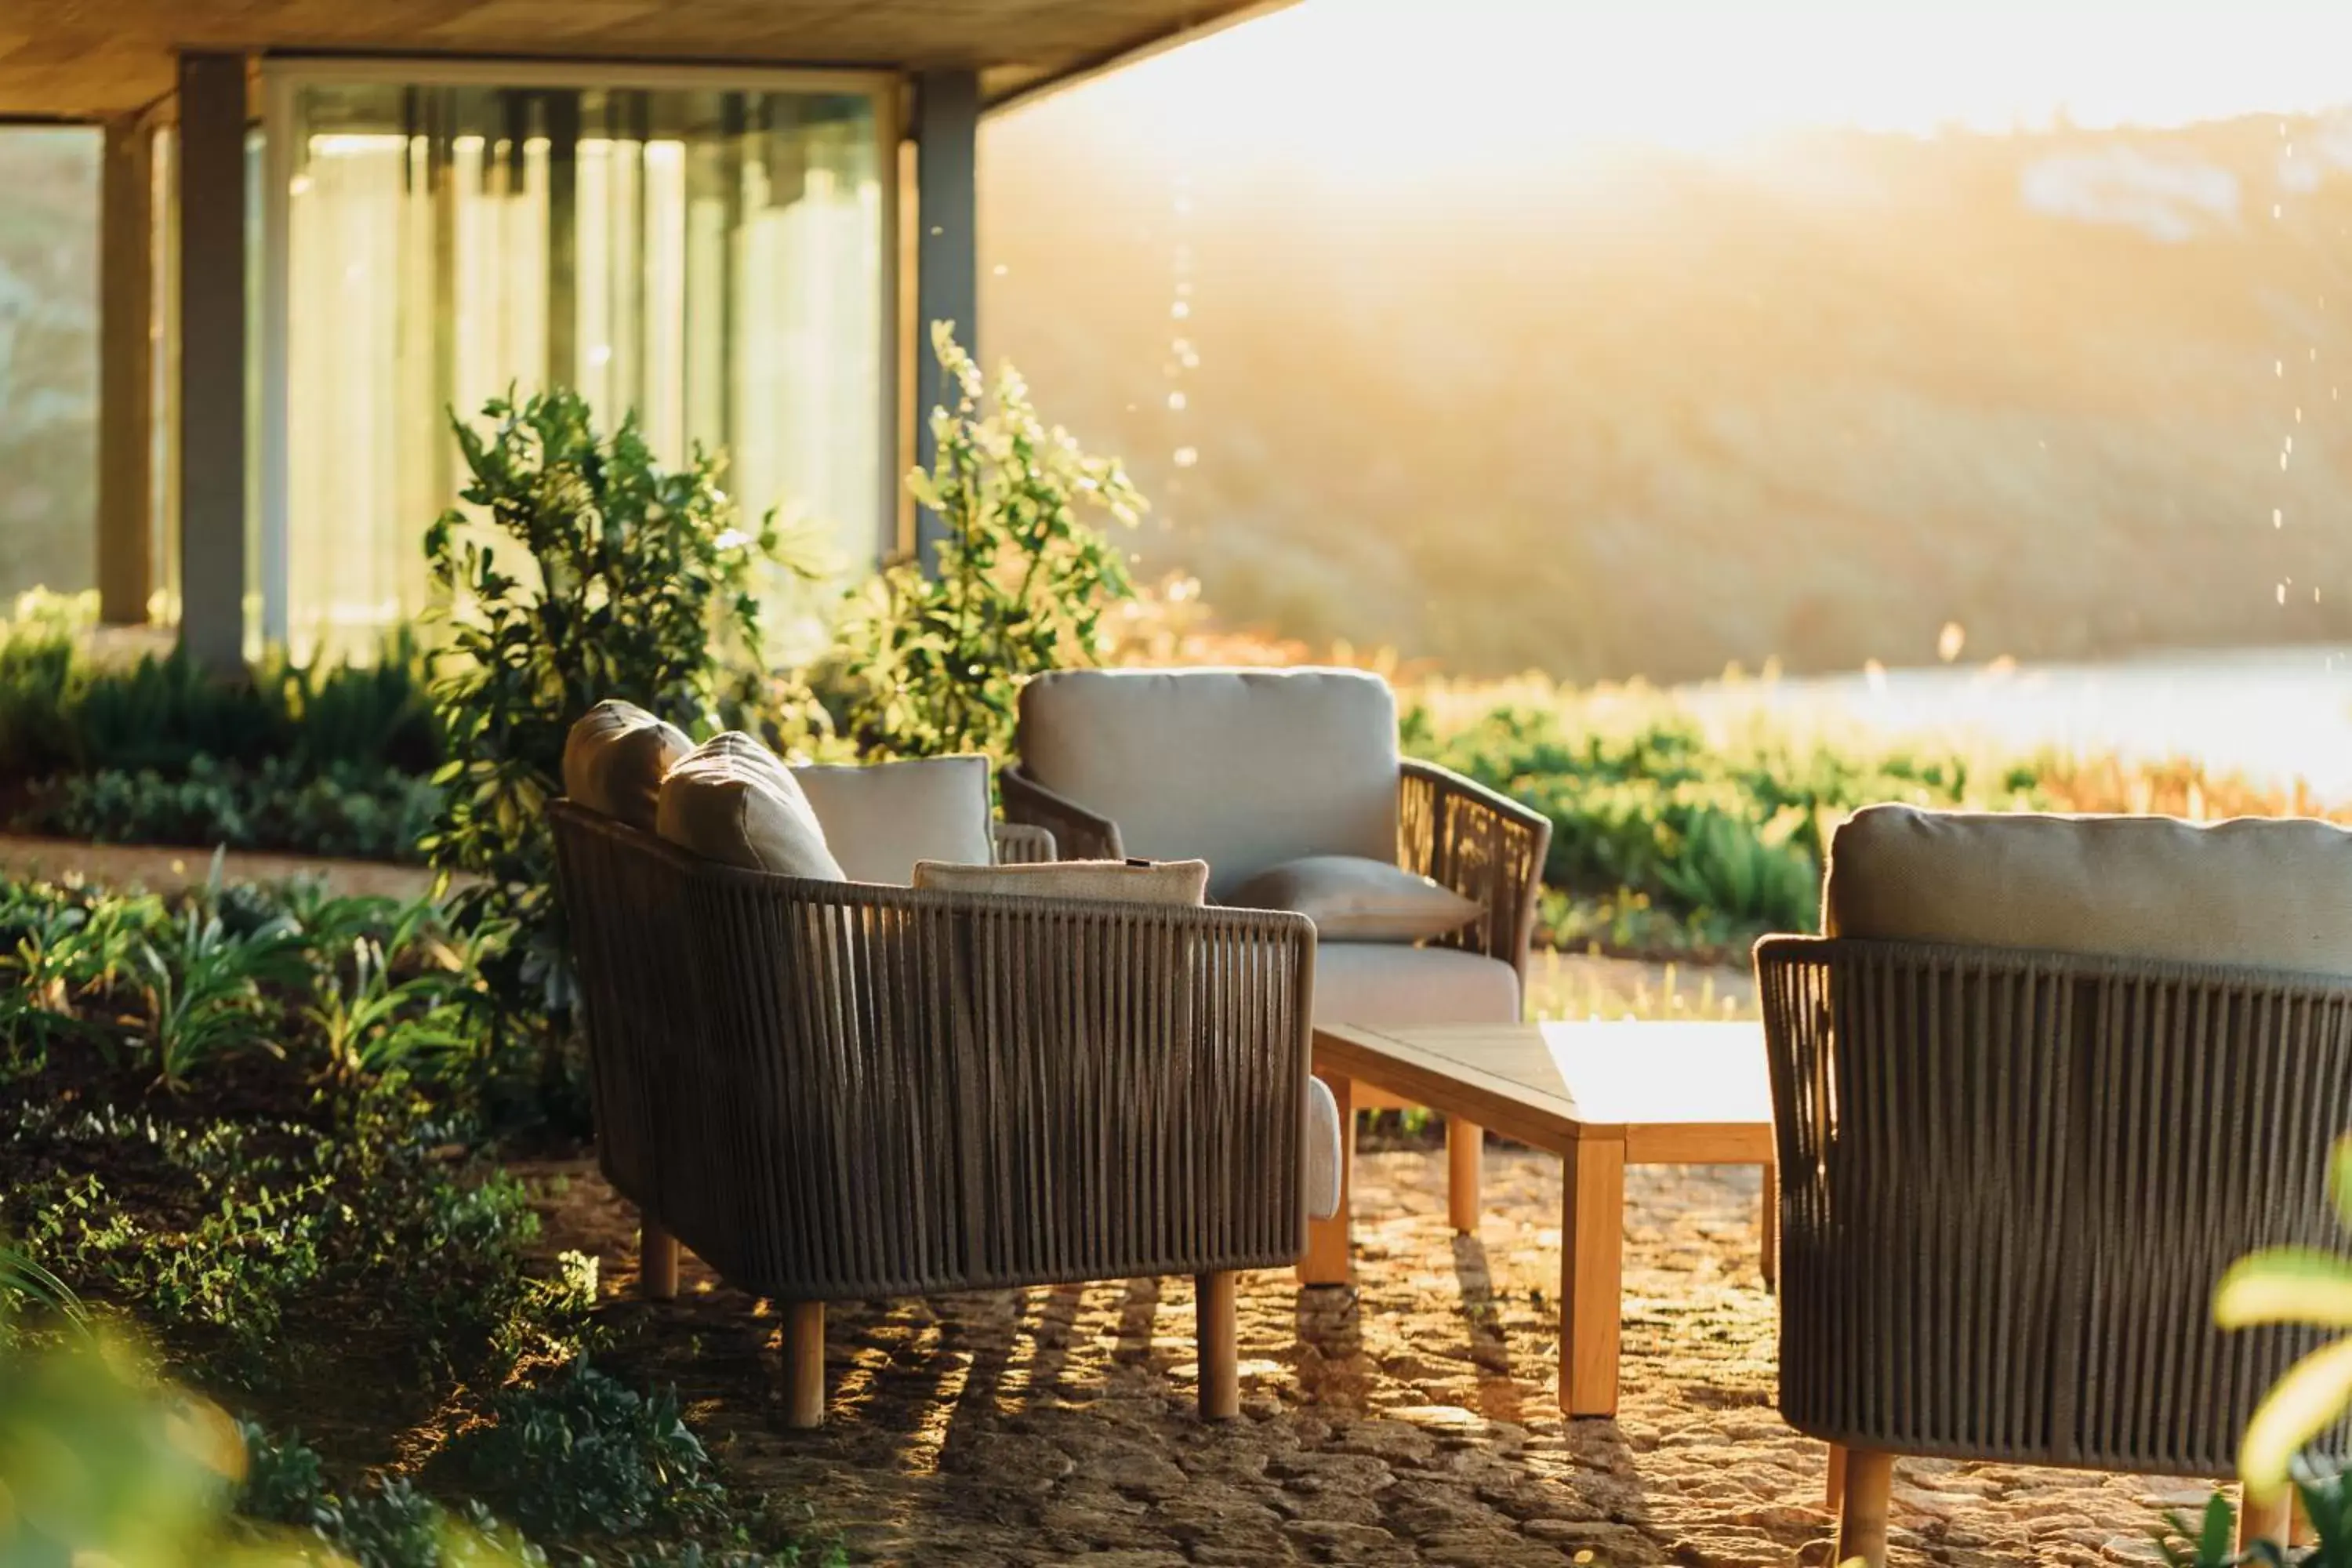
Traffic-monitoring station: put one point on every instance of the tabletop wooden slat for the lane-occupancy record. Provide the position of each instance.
(1675, 1093)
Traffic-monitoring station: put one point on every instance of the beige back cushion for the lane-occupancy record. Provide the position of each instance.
(732, 801)
(1106, 881)
(1242, 768)
(615, 758)
(2273, 894)
(879, 820)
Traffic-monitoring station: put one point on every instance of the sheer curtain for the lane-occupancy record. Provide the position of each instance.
(709, 260)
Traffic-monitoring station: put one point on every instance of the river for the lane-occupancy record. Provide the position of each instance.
(2274, 714)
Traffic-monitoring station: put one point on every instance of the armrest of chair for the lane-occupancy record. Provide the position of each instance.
(1080, 833)
(1481, 844)
(1021, 844)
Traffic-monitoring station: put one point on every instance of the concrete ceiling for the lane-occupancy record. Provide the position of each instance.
(95, 59)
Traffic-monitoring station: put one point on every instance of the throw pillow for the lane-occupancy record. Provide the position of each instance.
(1119, 881)
(879, 820)
(614, 759)
(731, 800)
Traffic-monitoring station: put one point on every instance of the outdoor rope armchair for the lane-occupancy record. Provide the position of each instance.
(2021, 1136)
(833, 1090)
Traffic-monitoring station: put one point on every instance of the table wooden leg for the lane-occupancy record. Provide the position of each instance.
(1770, 1225)
(1326, 1262)
(1464, 1146)
(1592, 1274)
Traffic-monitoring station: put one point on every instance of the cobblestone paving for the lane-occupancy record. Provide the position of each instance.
(1415, 1423)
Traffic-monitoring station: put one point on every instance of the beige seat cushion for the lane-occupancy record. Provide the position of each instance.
(1113, 881)
(1381, 984)
(879, 820)
(2274, 894)
(1243, 769)
(1323, 1150)
(1350, 898)
(614, 759)
(732, 801)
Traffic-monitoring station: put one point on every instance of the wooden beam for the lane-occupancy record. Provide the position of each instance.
(212, 359)
(125, 374)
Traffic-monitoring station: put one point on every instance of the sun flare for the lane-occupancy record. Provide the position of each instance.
(1370, 87)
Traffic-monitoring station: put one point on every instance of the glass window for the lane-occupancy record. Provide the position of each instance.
(48, 360)
(710, 259)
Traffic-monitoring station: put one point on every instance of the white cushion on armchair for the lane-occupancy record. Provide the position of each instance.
(1242, 768)
(1382, 985)
(1322, 1150)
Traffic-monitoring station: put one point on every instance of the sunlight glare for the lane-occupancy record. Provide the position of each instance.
(1375, 88)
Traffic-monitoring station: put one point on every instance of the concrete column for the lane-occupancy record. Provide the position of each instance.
(947, 250)
(125, 371)
(212, 358)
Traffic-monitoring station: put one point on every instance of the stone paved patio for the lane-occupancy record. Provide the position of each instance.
(1415, 1425)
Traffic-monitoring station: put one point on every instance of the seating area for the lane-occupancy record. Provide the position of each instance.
(854, 1038)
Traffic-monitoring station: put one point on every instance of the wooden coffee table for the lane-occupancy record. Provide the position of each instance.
(1602, 1096)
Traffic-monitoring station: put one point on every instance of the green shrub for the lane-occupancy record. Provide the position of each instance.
(224, 1232)
(588, 1456)
(376, 715)
(1681, 836)
(37, 666)
(347, 811)
(161, 714)
(936, 660)
(594, 574)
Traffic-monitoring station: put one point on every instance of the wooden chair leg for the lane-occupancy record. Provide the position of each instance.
(1326, 1262)
(2272, 1521)
(1862, 1517)
(657, 1260)
(1464, 1145)
(1768, 1224)
(804, 1363)
(1217, 1324)
(1835, 1490)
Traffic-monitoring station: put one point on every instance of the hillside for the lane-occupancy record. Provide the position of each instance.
(1649, 412)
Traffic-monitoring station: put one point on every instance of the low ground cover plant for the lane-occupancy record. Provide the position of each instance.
(247, 1166)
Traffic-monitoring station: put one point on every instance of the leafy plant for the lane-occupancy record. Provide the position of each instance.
(204, 986)
(23, 1280)
(101, 1463)
(589, 1456)
(347, 810)
(1021, 583)
(377, 715)
(2295, 1285)
(368, 1020)
(164, 713)
(592, 572)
